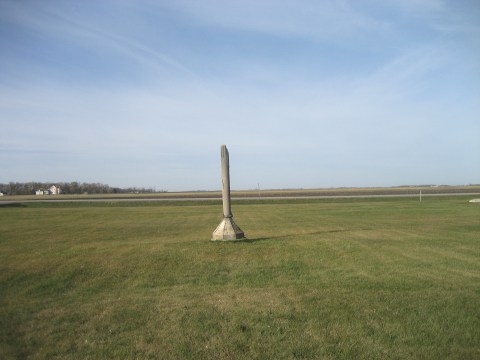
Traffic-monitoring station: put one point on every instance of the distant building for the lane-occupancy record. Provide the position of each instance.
(54, 190)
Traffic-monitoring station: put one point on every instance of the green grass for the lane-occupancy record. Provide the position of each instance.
(332, 279)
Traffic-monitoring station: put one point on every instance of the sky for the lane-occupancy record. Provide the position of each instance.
(304, 93)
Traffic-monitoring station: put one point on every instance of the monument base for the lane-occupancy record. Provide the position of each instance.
(228, 231)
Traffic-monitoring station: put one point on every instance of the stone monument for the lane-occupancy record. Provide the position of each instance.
(227, 230)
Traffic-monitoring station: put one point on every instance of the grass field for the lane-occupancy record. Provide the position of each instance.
(317, 279)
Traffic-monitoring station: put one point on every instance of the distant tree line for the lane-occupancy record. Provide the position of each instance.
(29, 188)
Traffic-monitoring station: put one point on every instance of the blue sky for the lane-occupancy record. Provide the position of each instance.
(305, 94)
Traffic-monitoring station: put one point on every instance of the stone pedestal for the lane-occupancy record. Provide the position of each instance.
(227, 230)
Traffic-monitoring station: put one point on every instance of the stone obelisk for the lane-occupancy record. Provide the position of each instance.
(227, 230)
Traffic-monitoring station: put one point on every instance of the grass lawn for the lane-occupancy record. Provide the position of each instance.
(317, 279)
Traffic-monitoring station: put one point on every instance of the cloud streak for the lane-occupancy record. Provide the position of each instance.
(331, 20)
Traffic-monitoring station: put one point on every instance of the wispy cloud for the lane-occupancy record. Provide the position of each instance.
(327, 20)
(75, 28)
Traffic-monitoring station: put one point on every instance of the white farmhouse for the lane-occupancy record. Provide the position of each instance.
(54, 190)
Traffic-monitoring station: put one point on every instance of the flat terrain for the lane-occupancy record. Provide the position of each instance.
(390, 278)
(262, 194)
